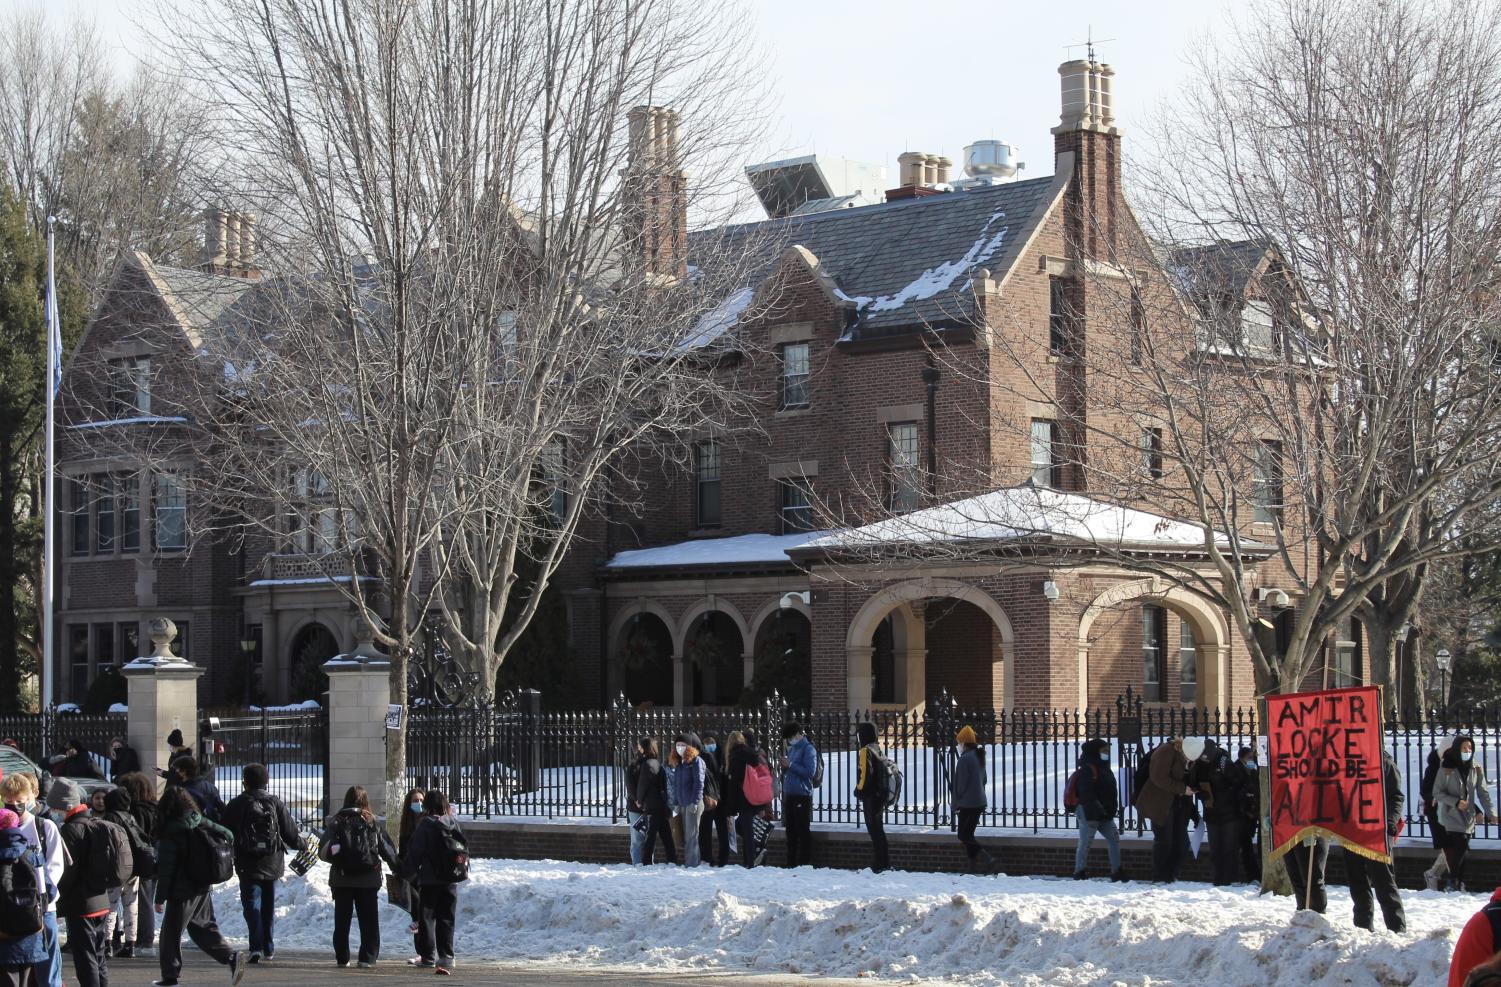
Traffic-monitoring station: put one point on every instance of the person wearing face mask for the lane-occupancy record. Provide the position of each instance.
(687, 783)
(122, 758)
(19, 793)
(798, 765)
(410, 817)
(1245, 784)
(1364, 875)
(1095, 790)
(1459, 786)
(714, 816)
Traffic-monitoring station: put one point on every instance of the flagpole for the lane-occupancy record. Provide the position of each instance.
(49, 523)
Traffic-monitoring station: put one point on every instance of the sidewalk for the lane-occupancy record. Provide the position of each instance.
(303, 969)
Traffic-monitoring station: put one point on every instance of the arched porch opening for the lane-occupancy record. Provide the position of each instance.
(889, 655)
(1165, 641)
(784, 645)
(312, 645)
(713, 653)
(643, 655)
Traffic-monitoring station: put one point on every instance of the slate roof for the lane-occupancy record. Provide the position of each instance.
(904, 264)
(1222, 268)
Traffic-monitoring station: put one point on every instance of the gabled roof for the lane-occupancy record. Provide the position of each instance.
(901, 264)
(1223, 268)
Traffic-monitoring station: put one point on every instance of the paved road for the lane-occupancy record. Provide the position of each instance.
(311, 970)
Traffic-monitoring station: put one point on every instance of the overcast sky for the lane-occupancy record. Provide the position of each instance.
(869, 80)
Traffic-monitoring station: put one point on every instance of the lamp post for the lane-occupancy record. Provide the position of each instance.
(247, 649)
(1444, 660)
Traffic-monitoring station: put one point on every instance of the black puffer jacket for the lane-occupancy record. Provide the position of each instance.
(270, 866)
(427, 844)
(651, 786)
(1095, 788)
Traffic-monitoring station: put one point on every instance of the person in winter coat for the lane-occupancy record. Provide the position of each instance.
(651, 802)
(731, 799)
(430, 865)
(142, 792)
(354, 845)
(19, 956)
(967, 794)
(798, 765)
(1461, 793)
(411, 814)
(870, 792)
(1222, 811)
(185, 774)
(746, 757)
(1164, 800)
(1245, 787)
(76, 763)
(184, 899)
(19, 793)
(688, 782)
(714, 818)
(264, 830)
(124, 900)
(122, 759)
(1435, 877)
(1098, 802)
(1477, 954)
(83, 902)
(1363, 874)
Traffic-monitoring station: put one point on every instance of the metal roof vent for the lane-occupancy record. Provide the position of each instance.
(991, 161)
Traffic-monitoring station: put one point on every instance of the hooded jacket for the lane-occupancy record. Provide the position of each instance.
(424, 848)
(1456, 782)
(802, 763)
(688, 779)
(865, 772)
(1167, 777)
(1095, 787)
(75, 899)
(967, 785)
(16, 850)
(270, 866)
(651, 786)
(78, 765)
(124, 762)
(174, 882)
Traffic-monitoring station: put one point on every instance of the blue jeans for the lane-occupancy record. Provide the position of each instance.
(258, 898)
(638, 838)
(1087, 829)
(50, 970)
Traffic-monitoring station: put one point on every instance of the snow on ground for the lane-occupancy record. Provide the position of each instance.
(965, 930)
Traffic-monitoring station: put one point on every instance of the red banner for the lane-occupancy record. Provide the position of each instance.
(1325, 750)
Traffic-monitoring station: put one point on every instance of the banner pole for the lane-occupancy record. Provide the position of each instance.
(1312, 845)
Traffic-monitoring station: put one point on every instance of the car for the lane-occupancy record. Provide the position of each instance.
(12, 760)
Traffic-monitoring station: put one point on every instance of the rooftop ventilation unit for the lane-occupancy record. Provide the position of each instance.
(989, 162)
(814, 184)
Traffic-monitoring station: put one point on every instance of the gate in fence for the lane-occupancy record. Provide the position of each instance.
(41, 736)
(292, 744)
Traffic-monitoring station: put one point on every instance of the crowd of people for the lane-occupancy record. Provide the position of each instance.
(112, 863)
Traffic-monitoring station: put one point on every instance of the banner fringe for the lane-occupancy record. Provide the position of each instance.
(1352, 847)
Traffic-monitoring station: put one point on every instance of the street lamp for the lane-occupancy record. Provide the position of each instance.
(1444, 660)
(247, 650)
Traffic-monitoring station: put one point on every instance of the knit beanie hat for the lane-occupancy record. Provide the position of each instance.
(64, 795)
(174, 739)
(8, 819)
(967, 735)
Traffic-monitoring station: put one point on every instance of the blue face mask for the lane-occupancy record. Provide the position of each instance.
(1250, 765)
(711, 748)
(1466, 755)
(1105, 756)
(416, 807)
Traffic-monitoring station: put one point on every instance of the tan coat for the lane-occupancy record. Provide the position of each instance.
(1168, 776)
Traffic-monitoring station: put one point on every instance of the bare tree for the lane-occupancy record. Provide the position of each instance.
(477, 312)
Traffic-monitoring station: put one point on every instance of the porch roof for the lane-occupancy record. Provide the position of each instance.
(1023, 514)
(737, 550)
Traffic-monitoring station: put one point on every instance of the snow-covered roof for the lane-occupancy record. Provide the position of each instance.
(1023, 512)
(736, 550)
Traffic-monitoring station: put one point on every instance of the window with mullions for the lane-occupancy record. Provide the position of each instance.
(901, 463)
(554, 481)
(1151, 452)
(1266, 483)
(1046, 470)
(706, 475)
(1188, 663)
(796, 360)
(1153, 642)
(79, 504)
(1063, 323)
(130, 387)
(104, 513)
(129, 489)
(170, 504)
(1346, 670)
(796, 504)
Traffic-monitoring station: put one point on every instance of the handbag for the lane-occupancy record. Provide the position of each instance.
(398, 892)
(641, 823)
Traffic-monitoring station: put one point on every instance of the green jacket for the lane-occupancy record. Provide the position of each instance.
(173, 882)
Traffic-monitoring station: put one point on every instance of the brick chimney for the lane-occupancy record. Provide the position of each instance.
(229, 243)
(919, 172)
(656, 200)
(1087, 129)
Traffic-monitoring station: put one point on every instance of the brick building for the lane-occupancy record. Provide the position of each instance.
(914, 365)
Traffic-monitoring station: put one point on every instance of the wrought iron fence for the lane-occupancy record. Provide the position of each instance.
(511, 759)
(40, 736)
(293, 745)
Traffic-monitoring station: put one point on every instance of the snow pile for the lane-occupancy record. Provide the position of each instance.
(968, 930)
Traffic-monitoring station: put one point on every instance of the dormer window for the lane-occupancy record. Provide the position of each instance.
(1257, 329)
(130, 387)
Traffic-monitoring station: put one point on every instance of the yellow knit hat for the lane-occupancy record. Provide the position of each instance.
(967, 735)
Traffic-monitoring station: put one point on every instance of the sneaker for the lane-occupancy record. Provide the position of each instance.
(1118, 877)
(255, 957)
(342, 964)
(1430, 880)
(269, 956)
(366, 964)
(419, 961)
(163, 983)
(442, 971)
(1079, 875)
(146, 952)
(236, 967)
(126, 951)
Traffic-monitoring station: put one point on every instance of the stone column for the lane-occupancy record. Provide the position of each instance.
(679, 681)
(162, 691)
(857, 676)
(359, 692)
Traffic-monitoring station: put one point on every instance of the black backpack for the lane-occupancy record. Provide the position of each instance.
(210, 856)
(142, 853)
(107, 851)
(451, 861)
(1143, 773)
(259, 832)
(22, 903)
(359, 850)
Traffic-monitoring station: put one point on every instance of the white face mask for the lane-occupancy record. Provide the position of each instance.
(682, 749)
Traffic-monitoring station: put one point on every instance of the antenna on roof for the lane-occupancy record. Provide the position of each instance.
(1088, 43)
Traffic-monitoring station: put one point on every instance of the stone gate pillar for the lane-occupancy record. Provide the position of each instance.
(162, 692)
(359, 695)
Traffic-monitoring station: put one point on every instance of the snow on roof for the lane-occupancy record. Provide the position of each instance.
(740, 549)
(719, 319)
(138, 420)
(1021, 512)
